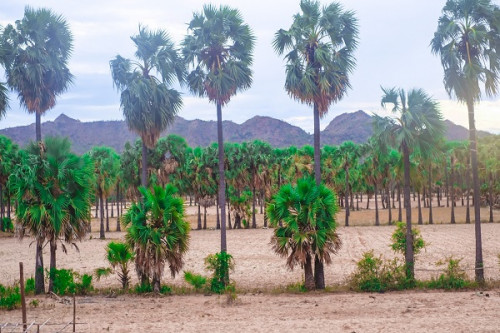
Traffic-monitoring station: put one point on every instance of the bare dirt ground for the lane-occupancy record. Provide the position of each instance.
(260, 275)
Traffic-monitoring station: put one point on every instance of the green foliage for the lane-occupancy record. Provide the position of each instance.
(66, 281)
(34, 303)
(453, 277)
(220, 263)
(10, 297)
(102, 271)
(399, 239)
(373, 274)
(143, 288)
(119, 255)
(29, 286)
(164, 289)
(7, 224)
(298, 287)
(196, 280)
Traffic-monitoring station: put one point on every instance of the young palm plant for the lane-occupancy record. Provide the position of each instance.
(418, 126)
(307, 214)
(219, 50)
(467, 40)
(119, 256)
(157, 232)
(36, 54)
(320, 45)
(148, 104)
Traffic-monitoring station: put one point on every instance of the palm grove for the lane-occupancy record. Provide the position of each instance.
(298, 189)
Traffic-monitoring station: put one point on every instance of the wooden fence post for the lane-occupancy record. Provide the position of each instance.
(23, 298)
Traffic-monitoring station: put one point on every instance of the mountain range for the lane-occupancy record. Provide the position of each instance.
(355, 126)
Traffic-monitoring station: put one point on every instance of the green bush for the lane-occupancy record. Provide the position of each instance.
(164, 290)
(196, 280)
(220, 264)
(10, 297)
(143, 288)
(29, 287)
(453, 277)
(7, 224)
(399, 239)
(376, 275)
(66, 281)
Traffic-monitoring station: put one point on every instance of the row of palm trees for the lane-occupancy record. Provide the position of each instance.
(214, 61)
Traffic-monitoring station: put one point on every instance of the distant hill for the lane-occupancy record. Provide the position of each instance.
(355, 126)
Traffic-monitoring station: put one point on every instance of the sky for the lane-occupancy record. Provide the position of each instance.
(393, 51)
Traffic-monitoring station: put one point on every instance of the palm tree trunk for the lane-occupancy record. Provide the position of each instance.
(452, 189)
(317, 151)
(107, 216)
(1, 207)
(491, 197)
(367, 201)
(254, 222)
(431, 220)
(199, 216)
(308, 273)
(400, 211)
(144, 170)
(477, 200)
(222, 180)
(8, 205)
(319, 274)
(96, 206)
(229, 216)
(346, 195)
(447, 193)
(53, 250)
(101, 208)
(377, 221)
(409, 260)
(204, 217)
(467, 180)
(419, 209)
(118, 226)
(39, 281)
(217, 226)
(38, 127)
(388, 203)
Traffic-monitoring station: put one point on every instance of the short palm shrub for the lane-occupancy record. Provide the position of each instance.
(453, 277)
(10, 297)
(196, 280)
(220, 263)
(119, 256)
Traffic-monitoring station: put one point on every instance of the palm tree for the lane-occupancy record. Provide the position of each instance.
(320, 45)
(418, 127)
(157, 232)
(148, 105)
(8, 159)
(106, 169)
(219, 47)
(468, 41)
(118, 254)
(307, 213)
(53, 190)
(347, 155)
(36, 54)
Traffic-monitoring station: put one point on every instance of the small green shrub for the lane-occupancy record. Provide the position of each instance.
(7, 224)
(29, 287)
(399, 239)
(373, 274)
(66, 281)
(220, 264)
(143, 288)
(165, 290)
(34, 303)
(10, 297)
(298, 287)
(453, 277)
(196, 280)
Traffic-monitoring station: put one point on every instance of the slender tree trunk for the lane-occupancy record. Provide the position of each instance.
(254, 222)
(199, 216)
(431, 220)
(400, 211)
(308, 273)
(261, 202)
(419, 209)
(439, 196)
(477, 200)
(112, 208)
(39, 280)
(410, 269)
(447, 192)
(222, 180)
(346, 195)
(319, 275)
(8, 205)
(217, 226)
(424, 196)
(377, 221)
(467, 179)
(101, 211)
(96, 206)
(491, 197)
(229, 216)
(53, 250)
(1, 207)
(38, 127)
(367, 202)
(204, 217)
(118, 226)
(144, 170)
(389, 203)
(452, 189)
(107, 216)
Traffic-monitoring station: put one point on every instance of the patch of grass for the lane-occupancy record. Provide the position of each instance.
(10, 297)
(453, 277)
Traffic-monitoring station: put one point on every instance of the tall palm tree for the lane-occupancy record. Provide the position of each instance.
(347, 155)
(36, 54)
(147, 102)
(219, 49)
(157, 232)
(418, 126)
(307, 213)
(468, 42)
(53, 190)
(320, 45)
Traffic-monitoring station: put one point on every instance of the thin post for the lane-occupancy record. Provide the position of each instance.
(38, 328)
(74, 313)
(23, 298)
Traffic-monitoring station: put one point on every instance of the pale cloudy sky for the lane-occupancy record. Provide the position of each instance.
(393, 51)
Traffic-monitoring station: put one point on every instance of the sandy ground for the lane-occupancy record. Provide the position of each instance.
(259, 274)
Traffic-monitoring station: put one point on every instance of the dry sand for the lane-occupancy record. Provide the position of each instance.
(259, 273)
